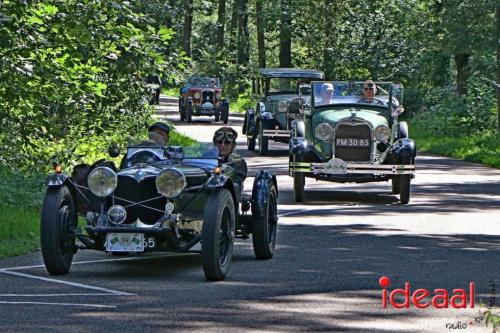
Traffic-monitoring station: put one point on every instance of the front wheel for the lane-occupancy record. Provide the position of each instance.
(263, 142)
(404, 188)
(217, 239)
(396, 184)
(57, 228)
(225, 116)
(250, 143)
(298, 186)
(189, 113)
(264, 226)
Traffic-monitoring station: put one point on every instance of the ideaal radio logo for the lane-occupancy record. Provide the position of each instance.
(459, 298)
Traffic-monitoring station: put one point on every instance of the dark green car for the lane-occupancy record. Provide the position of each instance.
(347, 137)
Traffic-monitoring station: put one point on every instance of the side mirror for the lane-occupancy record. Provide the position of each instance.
(113, 150)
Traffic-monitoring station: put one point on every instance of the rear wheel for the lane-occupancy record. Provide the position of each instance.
(57, 228)
(404, 188)
(217, 239)
(264, 227)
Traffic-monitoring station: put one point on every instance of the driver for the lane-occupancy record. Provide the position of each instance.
(225, 140)
(326, 93)
(369, 91)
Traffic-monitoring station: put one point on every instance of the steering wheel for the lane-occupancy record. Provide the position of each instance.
(372, 100)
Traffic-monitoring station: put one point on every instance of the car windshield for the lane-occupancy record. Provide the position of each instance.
(284, 85)
(353, 92)
(203, 81)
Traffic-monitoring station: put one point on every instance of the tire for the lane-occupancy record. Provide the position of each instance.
(404, 188)
(396, 183)
(250, 143)
(217, 238)
(189, 113)
(298, 186)
(217, 116)
(225, 116)
(263, 142)
(264, 228)
(58, 222)
(182, 111)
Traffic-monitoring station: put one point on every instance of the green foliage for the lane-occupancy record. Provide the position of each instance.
(19, 231)
(242, 104)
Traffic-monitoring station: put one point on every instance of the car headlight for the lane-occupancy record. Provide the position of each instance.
(282, 106)
(323, 132)
(117, 214)
(218, 95)
(170, 183)
(197, 95)
(382, 133)
(102, 181)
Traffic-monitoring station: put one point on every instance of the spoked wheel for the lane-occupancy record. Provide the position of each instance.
(404, 188)
(396, 185)
(57, 228)
(217, 239)
(189, 113)
(264, 226)
(250, 143)
(263, 142)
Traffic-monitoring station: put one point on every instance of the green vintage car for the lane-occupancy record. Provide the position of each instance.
(347, 137)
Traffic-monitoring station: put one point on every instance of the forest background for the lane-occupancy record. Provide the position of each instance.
(74, 74)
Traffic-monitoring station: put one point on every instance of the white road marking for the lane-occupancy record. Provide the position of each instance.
(53, 295)
(73, 284)
(63, 304)
(16, 268)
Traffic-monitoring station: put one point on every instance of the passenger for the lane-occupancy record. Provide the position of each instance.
(326, 94)
(159, 133)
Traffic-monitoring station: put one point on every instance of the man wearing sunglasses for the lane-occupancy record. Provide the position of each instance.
(369, 91)
(225, 140)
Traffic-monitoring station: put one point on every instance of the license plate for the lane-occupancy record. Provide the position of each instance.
(124, 242)
(347, 142)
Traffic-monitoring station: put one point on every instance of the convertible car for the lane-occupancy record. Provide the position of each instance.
(161, 199)
(346, 137)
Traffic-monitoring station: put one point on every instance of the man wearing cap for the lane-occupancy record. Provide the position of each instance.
(159, 133)
(326, 93)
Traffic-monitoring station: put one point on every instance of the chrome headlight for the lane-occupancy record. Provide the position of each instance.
(197, 95)
(382, 133)
(323, 132)
(117, 214)
(102, 181)
(282, 106)
(170, 183)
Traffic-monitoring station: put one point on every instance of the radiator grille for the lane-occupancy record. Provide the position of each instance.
(129, 189)
(207, 96)
(357, 133)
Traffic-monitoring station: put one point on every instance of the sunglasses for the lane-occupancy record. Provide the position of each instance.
(227, 137)
(368, 88)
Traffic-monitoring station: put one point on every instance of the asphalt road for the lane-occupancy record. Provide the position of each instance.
(330, 253)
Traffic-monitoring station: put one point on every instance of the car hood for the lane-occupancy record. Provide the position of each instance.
(193, 175)
(334, 116)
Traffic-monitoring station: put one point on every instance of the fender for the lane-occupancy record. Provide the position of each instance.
(299, 128)
(299, 146)
(222, 181)
(403, 130)
(262, 184)
(405, 149)
(250, 128)
(56, 179)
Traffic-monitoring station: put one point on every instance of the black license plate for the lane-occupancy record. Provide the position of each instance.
(352, 142)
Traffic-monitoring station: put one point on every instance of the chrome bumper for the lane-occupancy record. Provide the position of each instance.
(336, 166)
(276, 133)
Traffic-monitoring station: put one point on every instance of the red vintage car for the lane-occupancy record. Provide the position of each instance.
(202, 96)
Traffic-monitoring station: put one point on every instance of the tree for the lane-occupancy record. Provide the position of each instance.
(187, 31)
(285, 54)
(259, 22)
(221, 19)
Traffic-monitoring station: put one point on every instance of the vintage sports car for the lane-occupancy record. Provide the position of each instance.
(202, 96)
(162, 199)
(346, 137)
(276, 99)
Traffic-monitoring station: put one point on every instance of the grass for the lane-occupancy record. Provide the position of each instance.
(482, 147)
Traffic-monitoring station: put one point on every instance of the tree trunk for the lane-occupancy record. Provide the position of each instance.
(286, 34)
(188, 22)
(221, 19)
(498, 65)
(233, 26)
(261, 47)
(329, 33)
(243, 40)
(462, 63)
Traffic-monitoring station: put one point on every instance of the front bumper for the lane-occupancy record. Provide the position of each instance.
(276, 133)
(336, 166)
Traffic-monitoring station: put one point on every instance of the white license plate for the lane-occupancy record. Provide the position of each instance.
(124, 242)
(353, 142)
